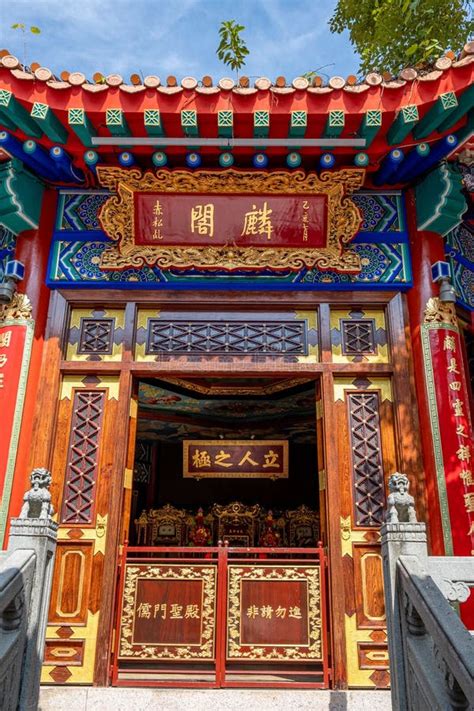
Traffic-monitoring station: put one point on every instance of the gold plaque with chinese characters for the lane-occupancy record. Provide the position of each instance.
(168, 612)
(274, 613)
(231, 220)
(234, 459)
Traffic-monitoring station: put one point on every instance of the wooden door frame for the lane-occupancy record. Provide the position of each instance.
(400, 369)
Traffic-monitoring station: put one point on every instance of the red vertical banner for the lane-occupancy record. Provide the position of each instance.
(15, 347)
(451, 428)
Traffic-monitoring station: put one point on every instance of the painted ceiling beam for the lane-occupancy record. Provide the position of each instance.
(152, 122)
(403, 124)
(49, 122)
(443, 106)
(189, 122)
(389, 167)
(261, 124)
(116, 122)
(370, 125)
(465, 104)
(17, 114)
(82, 126)
(298, 123)
(31, 154)
(225, 123)
(335, 124)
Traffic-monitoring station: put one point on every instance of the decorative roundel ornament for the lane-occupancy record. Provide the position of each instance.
(193, 160)
(126, 159)
(29, 146)
(361, 159)
(327, 160)
(91, 157)
(260, 160)
(226, 160)
(159, 158)
(57, 152)
(293, 160)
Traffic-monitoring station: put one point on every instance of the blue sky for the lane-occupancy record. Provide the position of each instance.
(176, 36)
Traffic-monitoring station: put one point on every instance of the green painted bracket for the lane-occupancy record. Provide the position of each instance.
(298, 124)
(116, 122)
(152, 122)
(335, 124)
(82, 126)
(370, 125)
(189, 122)
(403, 124)
(225, 123)
(439, 112)
(465, 104)
(261, 124)
(18, 115)
(49, 122)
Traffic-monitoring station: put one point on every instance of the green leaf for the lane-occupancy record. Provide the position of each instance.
(35, 30)
(411, 50)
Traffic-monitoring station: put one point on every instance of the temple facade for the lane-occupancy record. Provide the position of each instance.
(229, 312)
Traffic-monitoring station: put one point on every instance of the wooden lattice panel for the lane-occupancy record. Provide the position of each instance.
(83, 457)
(367, 466)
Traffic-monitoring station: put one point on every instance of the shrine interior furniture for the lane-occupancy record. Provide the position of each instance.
(237, 524)
(303, 527)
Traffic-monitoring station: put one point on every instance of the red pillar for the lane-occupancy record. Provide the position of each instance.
(33, 250)
(426, 248)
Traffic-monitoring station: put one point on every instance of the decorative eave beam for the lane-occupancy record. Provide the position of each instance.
(335, 124)
(298, 123)
(189, 122)
(49, 122)
(116, 122)
(261, 124)
(152, 122)
(465, 104)
(439, 112)
(438, 151)
(225, 123)
(21, 196)
(412, 163)
(18, 115)
(440, 200)
(403, 124)
(82, 126)
(370, 125)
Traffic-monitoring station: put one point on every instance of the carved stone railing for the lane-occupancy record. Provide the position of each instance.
(26, 569)
(431, 651)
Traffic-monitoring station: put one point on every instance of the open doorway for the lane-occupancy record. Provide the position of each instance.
(172, 413)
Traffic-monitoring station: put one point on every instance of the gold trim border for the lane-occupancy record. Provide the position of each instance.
(261, 653)
(146, 652)
(344, 218)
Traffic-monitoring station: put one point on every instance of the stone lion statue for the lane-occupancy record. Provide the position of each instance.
(400, 505)
(37, 500)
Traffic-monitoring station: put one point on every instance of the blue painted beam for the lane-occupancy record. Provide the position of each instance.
(65, 166)
(439, 150)
(40, 160)
(410, 165)
(388, 167)
(35, 163)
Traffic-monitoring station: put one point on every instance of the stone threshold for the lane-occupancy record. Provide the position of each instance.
(76, 698)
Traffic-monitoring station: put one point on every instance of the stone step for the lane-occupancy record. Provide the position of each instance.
(75, 698)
